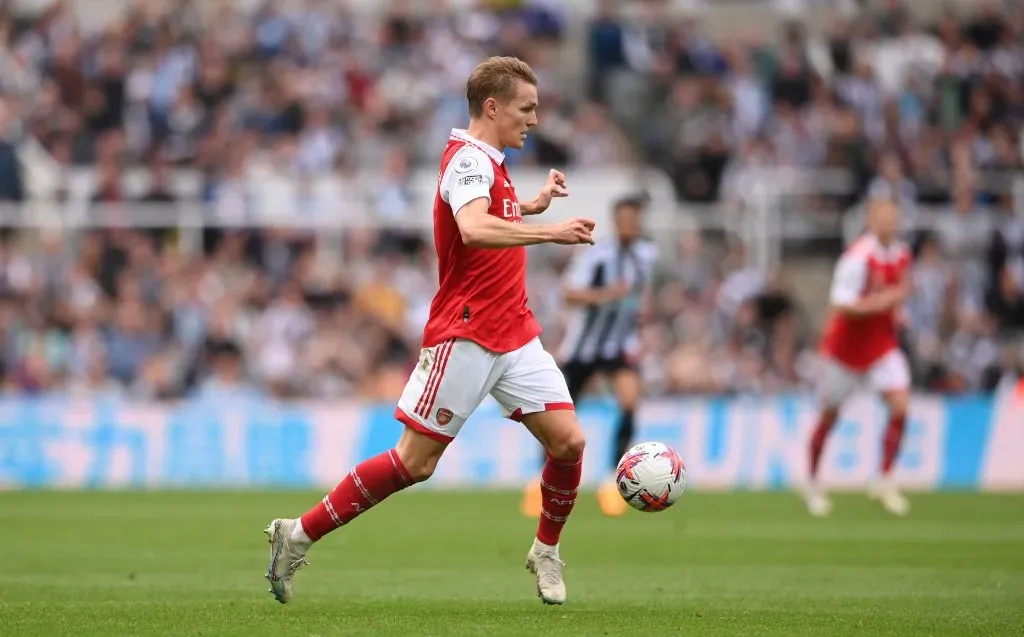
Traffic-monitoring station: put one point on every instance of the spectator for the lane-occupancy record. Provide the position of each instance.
(11, 186)
(891, 183)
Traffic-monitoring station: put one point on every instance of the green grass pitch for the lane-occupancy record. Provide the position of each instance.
(427, 563)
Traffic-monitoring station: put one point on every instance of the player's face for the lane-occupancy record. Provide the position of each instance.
(627, 223)
(517, 116)
(885, 221)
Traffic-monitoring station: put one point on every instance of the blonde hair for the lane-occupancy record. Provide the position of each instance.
(496, 77)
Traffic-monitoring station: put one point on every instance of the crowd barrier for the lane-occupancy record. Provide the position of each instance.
(974, 443)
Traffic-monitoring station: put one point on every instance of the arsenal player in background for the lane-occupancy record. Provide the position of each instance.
(480, 339)
(860, 346)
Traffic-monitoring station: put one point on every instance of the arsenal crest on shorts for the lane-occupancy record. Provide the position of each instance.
(444, 416)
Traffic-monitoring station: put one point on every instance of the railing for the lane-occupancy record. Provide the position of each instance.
(326, 205)
(765, 208)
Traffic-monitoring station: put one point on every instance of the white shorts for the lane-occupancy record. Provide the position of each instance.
(838, 382)
(454, 377)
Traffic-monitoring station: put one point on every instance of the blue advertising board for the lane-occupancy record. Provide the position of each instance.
(753, 444)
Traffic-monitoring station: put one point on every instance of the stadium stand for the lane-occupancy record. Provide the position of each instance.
(217, 197)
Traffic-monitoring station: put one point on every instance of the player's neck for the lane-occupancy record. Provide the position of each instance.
(479, 130)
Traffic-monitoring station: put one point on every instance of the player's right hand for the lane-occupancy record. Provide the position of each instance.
(895, 295)
(574, 231)
(619, 291)
(907, 288)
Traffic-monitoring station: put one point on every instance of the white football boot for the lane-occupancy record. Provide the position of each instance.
(543, 561)
(886, 493)
(286, 557)
(818, 503)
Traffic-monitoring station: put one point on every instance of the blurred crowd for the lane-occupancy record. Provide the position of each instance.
(110, 311)
(929, 113)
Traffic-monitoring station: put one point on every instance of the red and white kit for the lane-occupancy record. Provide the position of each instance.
(864, 349)
(481, 338)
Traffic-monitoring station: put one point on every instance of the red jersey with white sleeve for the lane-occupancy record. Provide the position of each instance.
(866, 267)
(482, 295)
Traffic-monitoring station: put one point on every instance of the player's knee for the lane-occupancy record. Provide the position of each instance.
(569, 446)
(829, 416)
(628, 403)
(628, 389)
(420, 463)
(419, 454)
(422, 468)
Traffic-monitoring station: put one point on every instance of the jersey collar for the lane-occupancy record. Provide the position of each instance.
(492, 152)
(887, 253)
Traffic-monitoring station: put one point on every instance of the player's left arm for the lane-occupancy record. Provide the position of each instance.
(553, 188)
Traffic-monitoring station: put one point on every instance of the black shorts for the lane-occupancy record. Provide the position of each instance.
(578, 374)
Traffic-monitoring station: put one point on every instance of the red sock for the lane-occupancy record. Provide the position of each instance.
(891, 442)
(367, 484)
(818, 438)
(558, 484)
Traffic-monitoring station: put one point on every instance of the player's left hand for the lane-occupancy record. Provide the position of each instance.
(553, 187)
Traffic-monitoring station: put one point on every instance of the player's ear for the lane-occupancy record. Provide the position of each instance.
(491, 107)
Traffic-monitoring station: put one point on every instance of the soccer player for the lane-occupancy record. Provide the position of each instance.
(480, 339)
(861, 345)
(609, 289)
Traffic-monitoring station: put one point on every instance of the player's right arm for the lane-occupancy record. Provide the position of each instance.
(577, 289)
(482, 230)
(595, 296)
(848, 284)
(466, 187)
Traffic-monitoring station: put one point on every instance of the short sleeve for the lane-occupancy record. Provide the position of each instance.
(468, 176)
(580, 273)
(848, 280)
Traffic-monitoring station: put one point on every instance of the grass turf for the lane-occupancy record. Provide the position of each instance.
(426, 563)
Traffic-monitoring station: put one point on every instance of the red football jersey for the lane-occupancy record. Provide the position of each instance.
(482, 295)
(866, 267)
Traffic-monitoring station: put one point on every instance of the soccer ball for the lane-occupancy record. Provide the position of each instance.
(651, 476)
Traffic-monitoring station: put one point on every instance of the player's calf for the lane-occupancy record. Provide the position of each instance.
(559, 448)
(559, 482)
(563, 440)
(815, 498)
(608, 498)
(826, 422)
(628, 389)
(368, 484)
(412, 460)
(885, 490)
(898, 403)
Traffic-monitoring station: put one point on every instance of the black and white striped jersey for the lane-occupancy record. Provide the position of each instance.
(608, 331)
